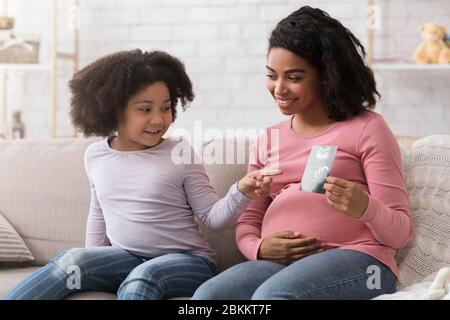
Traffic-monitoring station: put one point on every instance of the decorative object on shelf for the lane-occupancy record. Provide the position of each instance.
(18, 128)
(19, 50)
(4, 130)
(433, 49)
(6, 23)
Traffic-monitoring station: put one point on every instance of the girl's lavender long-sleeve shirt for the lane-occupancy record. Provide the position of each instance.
(367, 154)
(145, 201)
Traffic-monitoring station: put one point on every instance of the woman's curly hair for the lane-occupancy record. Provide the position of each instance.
(337, 55)
(101, 91)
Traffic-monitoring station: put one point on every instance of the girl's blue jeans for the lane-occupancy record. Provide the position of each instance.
(115, 270)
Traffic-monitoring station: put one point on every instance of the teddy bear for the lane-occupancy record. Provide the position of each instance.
(433, 49)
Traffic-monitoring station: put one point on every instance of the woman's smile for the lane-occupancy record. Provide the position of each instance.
(285, 102)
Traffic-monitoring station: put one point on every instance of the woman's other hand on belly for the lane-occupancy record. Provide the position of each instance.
(287, 246)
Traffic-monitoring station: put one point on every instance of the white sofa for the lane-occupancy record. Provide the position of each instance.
(44, 194)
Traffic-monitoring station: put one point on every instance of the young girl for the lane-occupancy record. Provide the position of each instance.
(142, 241)
(337, 245)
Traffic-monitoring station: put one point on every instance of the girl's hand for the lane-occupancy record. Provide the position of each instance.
(346, 197)
(257, 183)
(286, 247)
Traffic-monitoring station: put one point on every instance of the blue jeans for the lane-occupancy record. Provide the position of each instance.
(332, 274)
(115, 270)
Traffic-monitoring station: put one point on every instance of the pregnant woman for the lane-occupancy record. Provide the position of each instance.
(339, 243)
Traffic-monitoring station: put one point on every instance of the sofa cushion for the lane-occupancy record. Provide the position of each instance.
(428, 186)
(47, 195)
(10, 277)
(12, 247)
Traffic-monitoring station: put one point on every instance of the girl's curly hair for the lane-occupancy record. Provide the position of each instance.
(101, 91)
(337, 55)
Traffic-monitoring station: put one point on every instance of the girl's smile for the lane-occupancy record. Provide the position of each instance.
(153, 132)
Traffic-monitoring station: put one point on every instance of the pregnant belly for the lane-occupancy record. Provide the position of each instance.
(310, 215)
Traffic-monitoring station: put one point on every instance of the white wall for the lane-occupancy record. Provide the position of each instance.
(223, 43)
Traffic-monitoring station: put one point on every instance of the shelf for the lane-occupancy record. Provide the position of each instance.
(24, 66)
(47, 66)
(410, 66)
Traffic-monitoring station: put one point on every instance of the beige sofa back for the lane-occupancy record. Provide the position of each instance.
(44, 193)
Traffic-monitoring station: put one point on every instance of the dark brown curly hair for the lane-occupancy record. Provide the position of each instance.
(336, 53)
(101, 91)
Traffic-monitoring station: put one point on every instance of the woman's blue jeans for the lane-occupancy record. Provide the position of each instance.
(330, 275)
